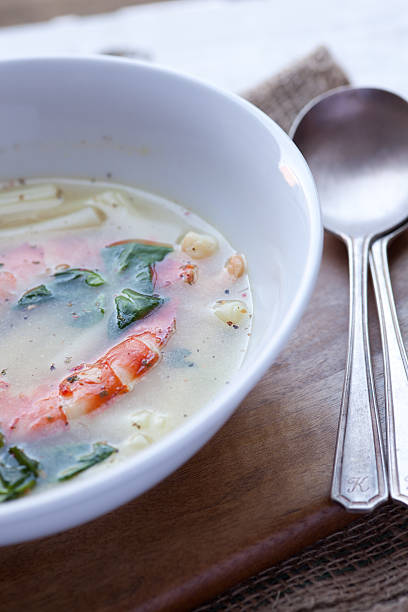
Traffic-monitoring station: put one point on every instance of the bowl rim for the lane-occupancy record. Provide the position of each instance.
(219, 409)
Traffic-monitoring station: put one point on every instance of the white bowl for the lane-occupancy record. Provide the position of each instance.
(211, 151)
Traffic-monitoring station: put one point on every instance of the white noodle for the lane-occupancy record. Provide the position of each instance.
(28, 194)
(86, 217)
(31, 207)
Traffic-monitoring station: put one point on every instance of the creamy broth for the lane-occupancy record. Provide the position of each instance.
(59, 305)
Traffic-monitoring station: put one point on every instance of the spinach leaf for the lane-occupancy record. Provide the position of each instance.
(92, 278)
(90, 310)
(142, 280)
(35, 295)
(24, 460)
(134, 259)
(132, 306)
(90, 313)
(100, 452)
(122, 255)
(18, 474)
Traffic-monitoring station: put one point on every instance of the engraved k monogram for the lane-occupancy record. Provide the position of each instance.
(358, 483)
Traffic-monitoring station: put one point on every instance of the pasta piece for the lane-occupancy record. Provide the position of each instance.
(149, 421)
(109, 198)
(29, 194)
(231, 312)
(86, 217)
(27, 207)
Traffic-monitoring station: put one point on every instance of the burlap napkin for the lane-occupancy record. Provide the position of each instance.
(284, 95)
(365, 566)
(362, 568)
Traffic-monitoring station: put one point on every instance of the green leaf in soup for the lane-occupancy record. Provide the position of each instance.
(92, 278)
(131, 253)
(35, 296)
(18, 488)
(42, 293)
(100, 451)
(11, 474)
(142, 280)
(24, 460)
(18, 474)
(132, 306)
(90, 312)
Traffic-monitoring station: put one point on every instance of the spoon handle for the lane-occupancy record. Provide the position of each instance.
(395, 373)
(359, 475)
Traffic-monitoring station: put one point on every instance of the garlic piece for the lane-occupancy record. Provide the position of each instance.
(198, 246)
(231, 312)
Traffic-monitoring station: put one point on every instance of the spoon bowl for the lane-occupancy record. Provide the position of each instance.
(356, 143)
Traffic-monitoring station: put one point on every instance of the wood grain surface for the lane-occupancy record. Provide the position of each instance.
(255, 494)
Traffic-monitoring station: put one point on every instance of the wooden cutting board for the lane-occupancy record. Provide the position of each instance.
(255, 494)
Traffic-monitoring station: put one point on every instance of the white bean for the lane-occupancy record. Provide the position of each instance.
(198, 246)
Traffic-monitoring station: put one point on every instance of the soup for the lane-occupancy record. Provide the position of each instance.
(122, 314)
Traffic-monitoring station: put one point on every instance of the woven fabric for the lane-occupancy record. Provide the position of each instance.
(365, 566)
(361, 568)
(284, 95)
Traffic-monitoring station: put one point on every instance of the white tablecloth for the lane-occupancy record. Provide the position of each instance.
(236, 43)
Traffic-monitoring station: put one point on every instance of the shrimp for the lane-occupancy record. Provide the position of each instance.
(90, 386)
(19, 264)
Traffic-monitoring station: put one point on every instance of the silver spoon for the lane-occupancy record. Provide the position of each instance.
(356, 143)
